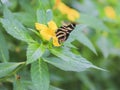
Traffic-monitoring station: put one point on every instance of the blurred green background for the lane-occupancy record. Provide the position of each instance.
(107, 44)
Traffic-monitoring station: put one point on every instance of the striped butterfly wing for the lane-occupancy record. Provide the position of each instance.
(64, 31)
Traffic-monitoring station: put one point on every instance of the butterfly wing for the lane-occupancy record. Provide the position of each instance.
(63, 32)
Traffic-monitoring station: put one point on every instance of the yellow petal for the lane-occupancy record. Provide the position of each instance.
(56, 4)
(75, 13)
(71, 13)
(72, 18)
(46, 34)
(64, 9)
(39, 26)
(55, 42)
(52, 26)
(110, 12)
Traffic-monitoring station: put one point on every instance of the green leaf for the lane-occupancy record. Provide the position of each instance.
(28, 85)
(86, 6)
(41, 16)
(49, 15)
(83, 76)
(22, 84)
(92, 22)
(54, 88)
(44, 4)
(18, 85)
(4, 54)
(104, 45)
(44, 16)
(84, 40)
(7, 69)
(77, 65)
(115, 51)
(26, 6)
(77, 34)
(40, 75)
(34, 52)
(68, 61)
(23, 18)
(14, 27)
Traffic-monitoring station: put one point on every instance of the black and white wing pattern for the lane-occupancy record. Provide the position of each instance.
(64, 31)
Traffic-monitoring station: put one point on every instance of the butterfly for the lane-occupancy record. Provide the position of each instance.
(64, 31)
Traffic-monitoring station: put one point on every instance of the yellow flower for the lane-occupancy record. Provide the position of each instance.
(48, 32)
(64, 9)
(110, 12)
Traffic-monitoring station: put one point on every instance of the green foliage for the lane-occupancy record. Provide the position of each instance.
(4, 54)
(6, 69)
(39, 18)
(75, 65)
(93, 22)
(14, 27)
(18, 85)
(27, 22)
(22, 85)
(34, 52)
(54, 88)
(105, 47)
(47, 16)
(40, 75)
(68, 61)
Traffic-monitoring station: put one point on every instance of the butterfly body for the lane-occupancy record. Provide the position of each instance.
(64, 31)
